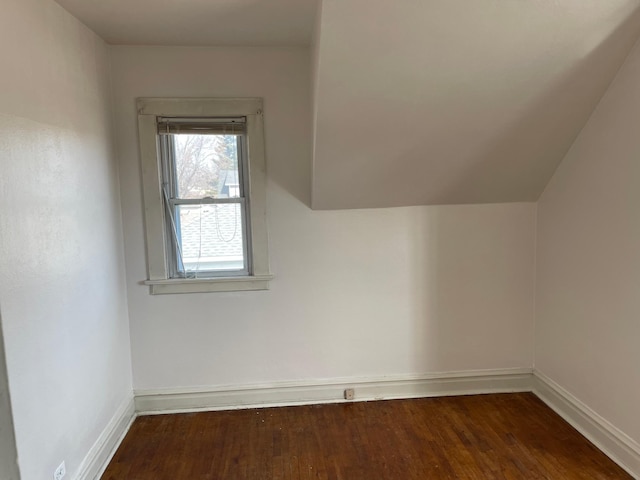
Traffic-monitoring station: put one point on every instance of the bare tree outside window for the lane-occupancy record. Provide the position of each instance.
(202, 161)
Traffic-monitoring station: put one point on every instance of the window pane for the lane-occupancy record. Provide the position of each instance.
(206, 166)
(211, 237)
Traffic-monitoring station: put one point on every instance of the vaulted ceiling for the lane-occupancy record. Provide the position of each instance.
(456, 101)
(417, 102)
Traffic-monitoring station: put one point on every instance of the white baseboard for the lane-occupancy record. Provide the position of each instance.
(612, 441)
(282, 394)
(100, 454)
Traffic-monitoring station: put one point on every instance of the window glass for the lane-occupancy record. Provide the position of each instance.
(206, 166)
(211, 237)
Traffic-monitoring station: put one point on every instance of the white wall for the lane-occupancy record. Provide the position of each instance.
(588, 260)
(357, 293)
(62, 290)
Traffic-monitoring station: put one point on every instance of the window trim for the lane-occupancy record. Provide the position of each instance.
(149, 109)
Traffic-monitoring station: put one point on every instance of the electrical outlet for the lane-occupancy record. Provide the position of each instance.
(349, 394)
(60, 472)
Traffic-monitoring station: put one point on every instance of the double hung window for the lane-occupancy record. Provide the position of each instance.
(203, 179)
(203, 189)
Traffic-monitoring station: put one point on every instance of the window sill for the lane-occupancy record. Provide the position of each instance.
(205, 285)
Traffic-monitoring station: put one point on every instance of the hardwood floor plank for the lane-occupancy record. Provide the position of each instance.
(497, 437)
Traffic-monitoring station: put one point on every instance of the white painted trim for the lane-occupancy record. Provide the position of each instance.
(99, 456)
(613, 442)
(198, 107)
(201, 285)
(150, 402)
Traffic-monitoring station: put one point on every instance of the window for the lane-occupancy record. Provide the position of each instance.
(204, 194)
(203, 164)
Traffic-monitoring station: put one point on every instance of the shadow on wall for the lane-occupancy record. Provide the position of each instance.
(433, 245)
(289, 163)
(293, 176)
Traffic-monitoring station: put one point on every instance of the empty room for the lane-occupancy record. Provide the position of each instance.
(329, 239)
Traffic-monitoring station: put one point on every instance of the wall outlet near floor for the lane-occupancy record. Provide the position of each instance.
(60, 472)
(349, 394)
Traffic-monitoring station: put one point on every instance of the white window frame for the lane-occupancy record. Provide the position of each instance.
(149, 109)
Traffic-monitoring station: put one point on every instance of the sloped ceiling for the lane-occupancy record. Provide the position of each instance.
(416, 102)
(420, 102)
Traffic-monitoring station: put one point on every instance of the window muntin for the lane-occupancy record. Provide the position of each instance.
(204, 165)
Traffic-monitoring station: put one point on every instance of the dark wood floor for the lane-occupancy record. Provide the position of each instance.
(510, 436)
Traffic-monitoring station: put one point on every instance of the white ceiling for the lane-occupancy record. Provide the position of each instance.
(198, 22)
(456, 101)
(417, 102)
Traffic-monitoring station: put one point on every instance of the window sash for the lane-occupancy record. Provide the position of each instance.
(175, 260)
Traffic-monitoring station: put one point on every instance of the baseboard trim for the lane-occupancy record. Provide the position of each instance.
(149, 402)
(104, 448)
(612, 441)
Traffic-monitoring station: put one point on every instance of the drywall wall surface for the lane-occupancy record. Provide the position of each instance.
(588, 260)
(62, 291)
(357, 293)
(8, 451)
